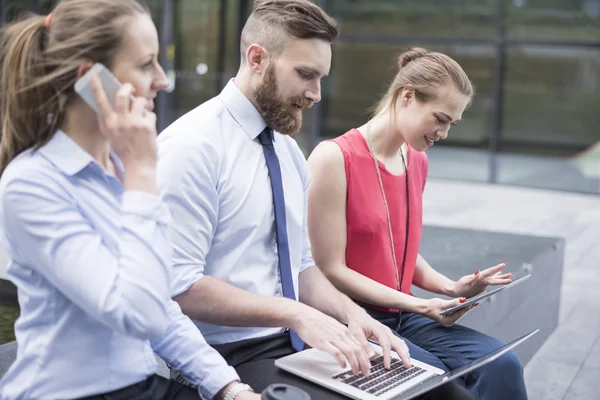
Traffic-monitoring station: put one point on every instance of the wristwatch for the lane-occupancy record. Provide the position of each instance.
(236, 389)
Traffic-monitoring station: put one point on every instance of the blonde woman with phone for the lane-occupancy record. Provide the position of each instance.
(85, 229)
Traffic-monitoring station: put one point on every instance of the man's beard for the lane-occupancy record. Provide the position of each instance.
(280, 114)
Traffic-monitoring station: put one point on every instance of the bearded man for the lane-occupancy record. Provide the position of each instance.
(236, 184)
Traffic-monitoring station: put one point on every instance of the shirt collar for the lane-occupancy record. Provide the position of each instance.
(63, 152)
(66, 155)
(242, 110)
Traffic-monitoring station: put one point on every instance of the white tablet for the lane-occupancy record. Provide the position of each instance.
(483, 295)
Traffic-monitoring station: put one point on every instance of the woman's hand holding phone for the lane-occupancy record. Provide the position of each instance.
(131, 132)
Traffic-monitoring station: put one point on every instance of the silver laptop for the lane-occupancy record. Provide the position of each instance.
(397, 383)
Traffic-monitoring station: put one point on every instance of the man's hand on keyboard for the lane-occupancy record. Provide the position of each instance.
(325, 333)
(365, 328)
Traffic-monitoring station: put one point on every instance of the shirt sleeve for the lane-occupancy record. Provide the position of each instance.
(184, 348)
(46, 231)
(307, 259)
(188, 184)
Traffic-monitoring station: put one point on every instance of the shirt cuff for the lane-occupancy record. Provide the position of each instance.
(216, 381)
(183, 277)
(306, 264)
(145, 205)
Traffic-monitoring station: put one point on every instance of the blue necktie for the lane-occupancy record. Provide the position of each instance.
(283, 249)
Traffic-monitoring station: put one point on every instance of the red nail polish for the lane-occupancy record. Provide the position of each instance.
(462, 299)
(477, 272)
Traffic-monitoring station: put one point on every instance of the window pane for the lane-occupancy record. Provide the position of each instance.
(304, 136)
(441, 18)
(205, 49)
(355, 86)
(573, 20)
(551, 114)
(155, 7)
(13, 9)
(46, 6)
(551, 96)
(196, 37)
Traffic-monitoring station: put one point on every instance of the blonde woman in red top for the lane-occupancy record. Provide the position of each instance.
(366, 193)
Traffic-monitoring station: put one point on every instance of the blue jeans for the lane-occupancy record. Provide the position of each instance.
(450, 348)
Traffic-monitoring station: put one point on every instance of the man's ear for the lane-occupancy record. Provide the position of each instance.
(83, 68)
(257, 58)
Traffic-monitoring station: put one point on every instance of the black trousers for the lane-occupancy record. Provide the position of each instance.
(154, 388)
(254, 361)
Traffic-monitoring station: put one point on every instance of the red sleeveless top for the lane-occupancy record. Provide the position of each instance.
(368, 248)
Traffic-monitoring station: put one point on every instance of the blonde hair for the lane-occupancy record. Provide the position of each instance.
(427, 73)
(40, 57)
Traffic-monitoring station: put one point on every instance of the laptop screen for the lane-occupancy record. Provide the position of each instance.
(438, 380)
(486, 359)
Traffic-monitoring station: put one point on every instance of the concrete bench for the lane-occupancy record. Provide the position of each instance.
(8, 353)
(519, 310)
(458, 252)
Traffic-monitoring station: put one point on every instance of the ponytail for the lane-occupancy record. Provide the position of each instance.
(29, 105)
(39, 60)
(427, 73)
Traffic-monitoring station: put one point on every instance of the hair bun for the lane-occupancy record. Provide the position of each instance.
(411, 55)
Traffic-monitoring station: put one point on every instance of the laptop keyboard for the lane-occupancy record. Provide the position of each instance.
(380, 380)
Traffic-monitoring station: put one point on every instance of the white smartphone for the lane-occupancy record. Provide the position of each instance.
(83, 86)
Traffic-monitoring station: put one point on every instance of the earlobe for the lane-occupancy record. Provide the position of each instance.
(83, 68)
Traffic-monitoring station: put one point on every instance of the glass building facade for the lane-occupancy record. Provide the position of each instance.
(535, 120)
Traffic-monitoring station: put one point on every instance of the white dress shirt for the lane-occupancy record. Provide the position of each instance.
(213, 175)
(92, 264)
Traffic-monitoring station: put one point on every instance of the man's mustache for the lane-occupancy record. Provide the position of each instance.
(302, 102)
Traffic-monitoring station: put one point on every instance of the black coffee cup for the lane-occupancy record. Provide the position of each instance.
(280, 391)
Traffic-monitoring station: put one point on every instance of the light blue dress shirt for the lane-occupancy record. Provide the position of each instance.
(213, 175)
(92, 264)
